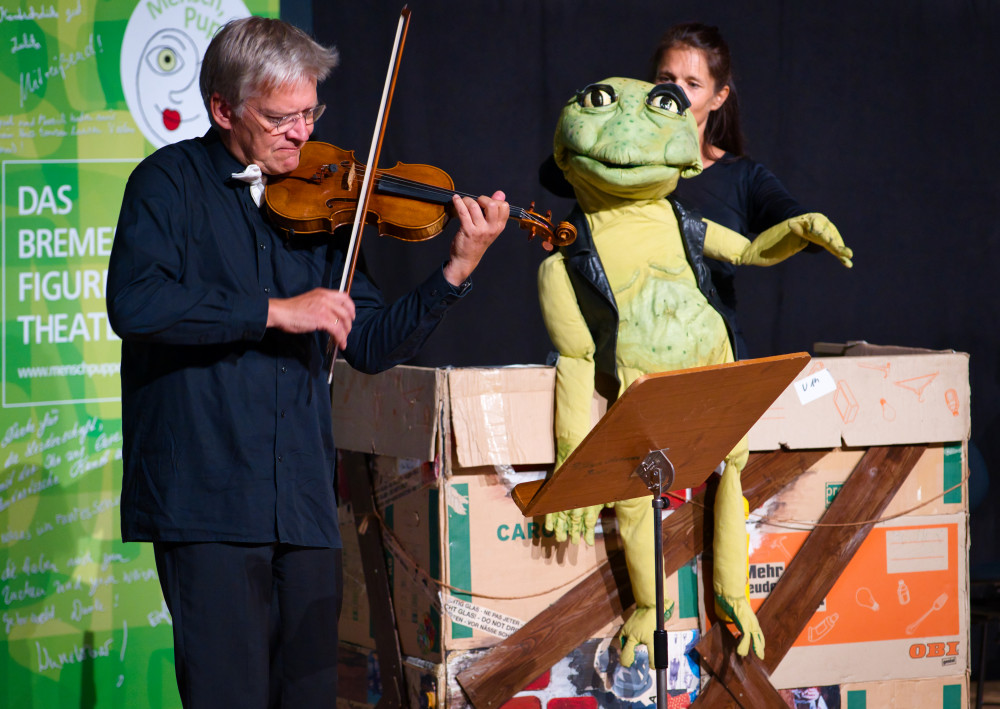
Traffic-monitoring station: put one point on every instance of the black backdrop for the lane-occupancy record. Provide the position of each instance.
(881, 115)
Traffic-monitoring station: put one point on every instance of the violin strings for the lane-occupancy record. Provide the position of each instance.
(432, 191)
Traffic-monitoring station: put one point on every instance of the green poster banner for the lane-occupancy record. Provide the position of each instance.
(89, 88)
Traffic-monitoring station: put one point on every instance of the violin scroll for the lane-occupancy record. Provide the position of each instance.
(541, 226)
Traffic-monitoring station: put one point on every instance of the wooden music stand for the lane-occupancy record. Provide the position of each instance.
(668, 431)
(697, 414)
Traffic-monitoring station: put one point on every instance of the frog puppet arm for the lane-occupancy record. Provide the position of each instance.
(777, 243)
(574, 386)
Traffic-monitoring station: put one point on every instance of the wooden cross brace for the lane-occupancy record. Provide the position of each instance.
(809, 576)
(606, 594)
(356, 468)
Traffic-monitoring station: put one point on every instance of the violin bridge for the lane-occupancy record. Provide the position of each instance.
(348, 176)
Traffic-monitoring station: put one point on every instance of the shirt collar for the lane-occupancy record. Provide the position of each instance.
(223, 162)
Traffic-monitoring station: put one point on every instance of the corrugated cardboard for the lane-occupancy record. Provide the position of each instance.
(502, 416)
(937, 693)
(899, 611)
(466, 532)
(512, 566)
(873, 400)
(935, 486)
(492, 416)
(516, 569)
(443, 436)
(395, 413)
(407, 499)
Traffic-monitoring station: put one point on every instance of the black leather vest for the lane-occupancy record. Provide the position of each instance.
(597, 301)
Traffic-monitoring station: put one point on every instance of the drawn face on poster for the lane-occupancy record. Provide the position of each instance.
(162, 50)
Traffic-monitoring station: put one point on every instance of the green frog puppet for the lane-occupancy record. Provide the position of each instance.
(633, 296)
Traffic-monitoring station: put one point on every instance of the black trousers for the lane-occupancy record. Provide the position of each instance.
(255, 625)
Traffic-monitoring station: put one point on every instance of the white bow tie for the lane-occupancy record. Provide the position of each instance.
(254, 177)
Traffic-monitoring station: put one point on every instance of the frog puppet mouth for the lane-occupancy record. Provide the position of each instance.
(604, 172)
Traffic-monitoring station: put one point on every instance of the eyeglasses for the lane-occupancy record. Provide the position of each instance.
(283, 124)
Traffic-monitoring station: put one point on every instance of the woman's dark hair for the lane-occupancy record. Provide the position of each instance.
(723, 127)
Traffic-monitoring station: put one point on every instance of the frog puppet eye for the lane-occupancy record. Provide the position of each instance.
(668, 97)
(596, 95)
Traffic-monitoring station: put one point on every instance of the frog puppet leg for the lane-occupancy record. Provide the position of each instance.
(729, 547)
(635, 526)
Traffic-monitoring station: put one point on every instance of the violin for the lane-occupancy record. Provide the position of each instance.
(329, 188)
(409, 201)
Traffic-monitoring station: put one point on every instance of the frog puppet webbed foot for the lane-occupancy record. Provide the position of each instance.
(574, 524)
(636, 525)
(638, 630)
(736, 609)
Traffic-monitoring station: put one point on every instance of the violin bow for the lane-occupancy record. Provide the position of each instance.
(367, 184)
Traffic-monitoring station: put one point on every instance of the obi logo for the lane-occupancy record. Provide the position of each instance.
(946, 650)
(513, 532)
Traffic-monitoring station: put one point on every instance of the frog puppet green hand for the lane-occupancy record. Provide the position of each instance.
(632, 296)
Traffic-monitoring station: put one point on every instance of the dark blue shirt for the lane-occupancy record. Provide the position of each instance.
(743, 195)
(227, 424)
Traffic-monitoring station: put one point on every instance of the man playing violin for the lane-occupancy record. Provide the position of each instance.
(228, 455)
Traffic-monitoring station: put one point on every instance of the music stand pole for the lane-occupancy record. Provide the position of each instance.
(657, 472)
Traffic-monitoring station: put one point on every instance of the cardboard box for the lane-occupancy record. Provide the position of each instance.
(465, 531)
(503, 416)
(899, 611)
(870, 401)
(449, 441)
(935, 486)
(937, 693)
(460, 418)
(889, 616)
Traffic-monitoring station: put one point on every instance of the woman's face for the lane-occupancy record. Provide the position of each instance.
(688, 68)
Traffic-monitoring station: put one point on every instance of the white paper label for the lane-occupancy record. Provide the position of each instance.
(814, 386)
(484, 619)
(910, 550)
